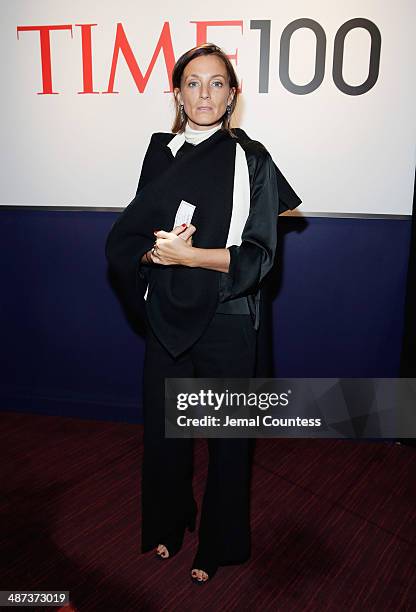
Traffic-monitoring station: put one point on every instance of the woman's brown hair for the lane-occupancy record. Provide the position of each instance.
(204, 49)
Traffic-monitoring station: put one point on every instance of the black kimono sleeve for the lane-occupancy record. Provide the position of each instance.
(147, 170)
(254, 257)
(288, 199)
(126, 245)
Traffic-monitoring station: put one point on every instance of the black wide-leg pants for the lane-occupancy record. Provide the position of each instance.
(226, 349)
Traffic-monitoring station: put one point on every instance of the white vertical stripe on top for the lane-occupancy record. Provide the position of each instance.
(241, 197)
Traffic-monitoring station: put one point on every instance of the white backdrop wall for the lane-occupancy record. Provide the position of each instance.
(345, 142)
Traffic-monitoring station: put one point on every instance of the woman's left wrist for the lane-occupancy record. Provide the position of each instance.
(190, 261)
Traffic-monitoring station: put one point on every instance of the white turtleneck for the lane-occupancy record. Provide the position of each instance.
(241, 193)
(197, 136)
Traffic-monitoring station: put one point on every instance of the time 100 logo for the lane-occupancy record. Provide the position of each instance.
(164, 45)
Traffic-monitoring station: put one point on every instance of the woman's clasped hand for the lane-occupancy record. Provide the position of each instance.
(174, 247)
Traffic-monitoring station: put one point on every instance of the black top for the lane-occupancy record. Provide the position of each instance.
(237, 305)
(181, 300)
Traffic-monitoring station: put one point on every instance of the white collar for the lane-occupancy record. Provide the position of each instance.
(191, 135)
(196, 136)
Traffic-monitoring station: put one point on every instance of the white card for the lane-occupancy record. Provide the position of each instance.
(184, 213)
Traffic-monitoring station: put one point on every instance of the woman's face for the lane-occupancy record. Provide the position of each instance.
(205, 91)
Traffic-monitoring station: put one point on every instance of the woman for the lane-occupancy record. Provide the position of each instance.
(196, 285)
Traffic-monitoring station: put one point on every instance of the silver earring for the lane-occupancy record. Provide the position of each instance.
(228, 112)
(182, 114)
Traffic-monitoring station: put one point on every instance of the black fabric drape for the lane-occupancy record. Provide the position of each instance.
(253, 258)
(182, 300)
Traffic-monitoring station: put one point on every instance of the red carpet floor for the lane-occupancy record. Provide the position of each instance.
(333, 523)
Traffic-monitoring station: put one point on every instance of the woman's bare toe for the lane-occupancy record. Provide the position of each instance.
(162, 551)
(200, 575)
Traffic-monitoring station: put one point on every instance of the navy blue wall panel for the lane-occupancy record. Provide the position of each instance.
(339, 311)
(67, 348)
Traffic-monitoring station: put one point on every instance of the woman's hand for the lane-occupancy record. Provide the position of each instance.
(173, 248)
(179, 230)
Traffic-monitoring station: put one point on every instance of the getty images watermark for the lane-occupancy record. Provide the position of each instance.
(290, 407)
